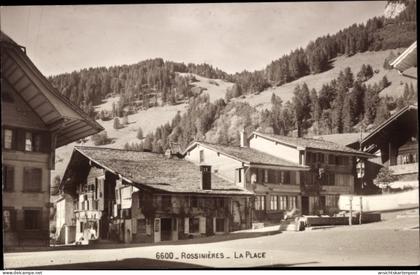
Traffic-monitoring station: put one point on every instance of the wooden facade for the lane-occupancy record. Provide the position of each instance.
(36, 119)
(109, 206)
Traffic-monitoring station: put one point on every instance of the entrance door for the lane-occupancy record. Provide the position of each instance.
(305, 205)
(166, 229)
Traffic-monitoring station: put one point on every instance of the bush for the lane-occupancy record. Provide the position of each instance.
(140, 133)
(125, 120)
(101, 139)
(117, 124)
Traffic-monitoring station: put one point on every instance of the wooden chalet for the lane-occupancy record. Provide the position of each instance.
(131, 196)
(36, 119)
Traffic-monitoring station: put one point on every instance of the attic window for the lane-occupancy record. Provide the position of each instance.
(218, 154)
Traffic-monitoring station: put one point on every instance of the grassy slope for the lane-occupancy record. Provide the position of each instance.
(215, 88)
(375, 59)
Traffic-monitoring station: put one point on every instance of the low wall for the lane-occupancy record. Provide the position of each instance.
(320, 221)
(384, 202)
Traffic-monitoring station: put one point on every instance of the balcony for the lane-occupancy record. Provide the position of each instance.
(401, 169)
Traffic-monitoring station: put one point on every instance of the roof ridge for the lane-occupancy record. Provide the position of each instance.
(115, 149)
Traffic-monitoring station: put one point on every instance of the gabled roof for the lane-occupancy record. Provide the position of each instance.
(155, 171)
(311, 143)
(392, 120)
(248, 155)
(344, 139)
(407, 59)
(58, 113)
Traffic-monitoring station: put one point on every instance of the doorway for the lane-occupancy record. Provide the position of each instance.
(305, 205)
(166, 229)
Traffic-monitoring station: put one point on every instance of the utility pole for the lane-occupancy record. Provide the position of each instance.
(361, 209)
(351, 209)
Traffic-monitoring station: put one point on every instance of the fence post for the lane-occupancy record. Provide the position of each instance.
(351, 210)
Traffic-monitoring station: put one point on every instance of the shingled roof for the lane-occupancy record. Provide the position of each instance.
(156, 171)
(344, 139)
(248, 155)
(311, 143)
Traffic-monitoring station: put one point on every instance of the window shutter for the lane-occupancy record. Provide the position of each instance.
(214, 225)
(203, 225)
(186, 225)
(13, 219)
(9, 178)
(45, 142)
(20, 139)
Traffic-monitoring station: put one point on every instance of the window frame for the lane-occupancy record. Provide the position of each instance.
(217, 224)
(282, 203)
(31, 177)
(39, 225)
(12, 219)
(12, 139)
(192, 225)
(30, 135)
(259, 204)
(274, 202)
(6, 169)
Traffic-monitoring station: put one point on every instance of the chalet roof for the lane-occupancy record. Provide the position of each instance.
(396, 120)
(311, 143)
(58, 113)
(150, 170)
(248, 155)
(407, 59)
(343, 139)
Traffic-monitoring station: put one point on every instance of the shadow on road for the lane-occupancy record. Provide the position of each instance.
(142, 263)
(202, 240)
(133, 263)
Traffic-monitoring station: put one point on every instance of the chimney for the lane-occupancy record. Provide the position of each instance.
(205, 177)
(243, 139)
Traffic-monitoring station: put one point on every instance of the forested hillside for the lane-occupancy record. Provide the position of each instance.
(338, 106)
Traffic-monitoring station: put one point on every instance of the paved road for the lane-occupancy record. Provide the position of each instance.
(390, 243)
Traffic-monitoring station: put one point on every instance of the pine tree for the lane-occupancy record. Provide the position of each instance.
(315, 110)
(117, 124)
(140, 133)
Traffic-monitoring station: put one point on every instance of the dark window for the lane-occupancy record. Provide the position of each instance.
(308, 157)
(220, 225)
(259, 203)
(82, 227)
(321, 158)
(220, 203)
(32, 219)
(239, 175)
(8, 178)
(166, 202)
(284, 177)
(271, 176)
(331, 159)
(36, 142)
(194, 225)
(32, 180)
(314, 156)
(193, 202)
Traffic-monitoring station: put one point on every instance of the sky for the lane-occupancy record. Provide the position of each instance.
(231, 36)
